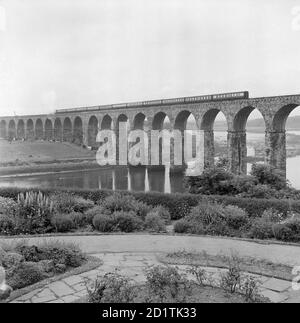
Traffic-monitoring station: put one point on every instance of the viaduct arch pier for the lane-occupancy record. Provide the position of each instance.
(81, 125)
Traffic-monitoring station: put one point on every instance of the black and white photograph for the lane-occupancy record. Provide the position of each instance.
(149, 155)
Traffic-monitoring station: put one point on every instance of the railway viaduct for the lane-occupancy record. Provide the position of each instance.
(80, 125)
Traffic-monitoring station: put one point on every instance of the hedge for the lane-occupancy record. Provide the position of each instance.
(179, 205)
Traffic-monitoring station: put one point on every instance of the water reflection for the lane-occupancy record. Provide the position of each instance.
(158, 179)
(120, 178)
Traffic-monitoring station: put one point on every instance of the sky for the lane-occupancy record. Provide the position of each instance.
(70, 53)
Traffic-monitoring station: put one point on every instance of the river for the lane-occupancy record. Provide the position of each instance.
(133, 178)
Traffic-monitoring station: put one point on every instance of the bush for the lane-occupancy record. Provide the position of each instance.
(236, 218)
(282, 232)
(27, 273)
(214, 180)
(127, 221)
(268, 175)
(272, 215)
(7, 206)
(104, 223)
(78, 219)
(119, 202)
(261, 229)
(111, 288)
(98, 209)
(66, 203)
(61, 253)
(207, 213)
(155, 223)
(288, 230)
(163, 213)
(34, 211)
(183, 226)
(166, 284)
(6, 224)
(62, 223)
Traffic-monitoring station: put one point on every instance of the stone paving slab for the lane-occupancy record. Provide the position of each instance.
(60, 288)
(277, 285)
(133, 265)
(73, 280)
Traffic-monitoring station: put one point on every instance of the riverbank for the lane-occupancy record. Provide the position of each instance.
(24, 157)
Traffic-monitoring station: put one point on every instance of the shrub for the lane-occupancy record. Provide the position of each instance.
(7, 206)
(27, 273)
(119, 202)
(127, 221)
(104, 223)
(66, 202)
(34, 211)
(207, 213)
(236, 218)
(269, 175)
(231, 279)
(261, 229)
(66, 254)
(282, 232)
(163, 213)
(78, 219)
(111, 288)
(6, 224)
(166, 284)
(62, 223)
(98, 209)
(155, 223)
(289, 230)
(183, 226)
(213, 180)
(261, 191)
(272, 215)
(141, 209)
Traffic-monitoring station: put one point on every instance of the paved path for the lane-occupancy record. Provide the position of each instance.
(132, 253)
(132, 265)
(93, 244)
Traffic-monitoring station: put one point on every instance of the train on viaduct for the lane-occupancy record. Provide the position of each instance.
(81, 125)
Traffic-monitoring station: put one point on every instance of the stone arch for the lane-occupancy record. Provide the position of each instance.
(78, 131)
(107, 122)
(39, 130)
(11, 129)
(92, 131)
(67, 130)
(241, 118)
(208, 119)
(3, 133)
(207, 125)
(276, 138)
(281, 116)
(159, 120)
(21, 129)
(238, 139)
(182, 119)
(48, 130)
(139, 121)
(58, 131)
(30, 129)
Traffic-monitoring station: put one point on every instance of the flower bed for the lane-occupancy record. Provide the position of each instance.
(25, 265)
